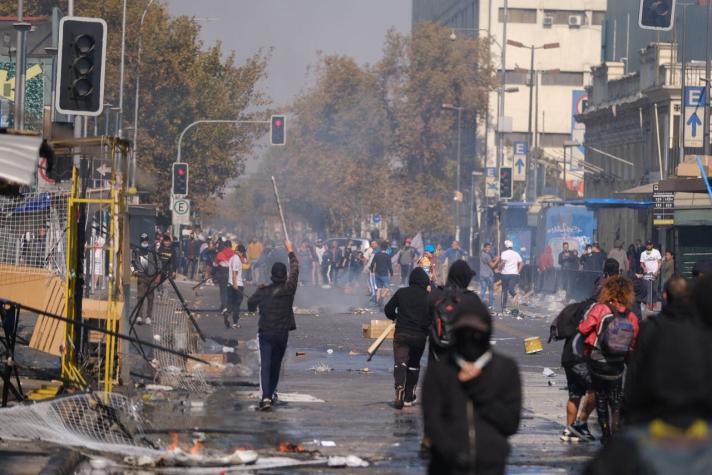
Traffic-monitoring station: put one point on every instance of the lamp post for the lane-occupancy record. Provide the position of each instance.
(134, 158)
(531, 183)
(458, 194)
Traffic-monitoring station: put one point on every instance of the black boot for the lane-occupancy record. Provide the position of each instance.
(400, 396)
(606, 434)
(411, 384)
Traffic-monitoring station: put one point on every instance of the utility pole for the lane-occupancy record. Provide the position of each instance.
(22, 28)
(531, 176)
(500, 115)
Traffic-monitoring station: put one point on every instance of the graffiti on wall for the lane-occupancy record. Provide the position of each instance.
(34, 94)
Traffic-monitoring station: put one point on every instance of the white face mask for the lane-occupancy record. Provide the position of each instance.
(144, 245)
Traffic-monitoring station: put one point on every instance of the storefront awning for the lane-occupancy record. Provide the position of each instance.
(683, 185)
(18, 158)
(611, 203)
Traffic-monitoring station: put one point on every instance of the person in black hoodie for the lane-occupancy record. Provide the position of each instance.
(439, 304)
(472, 400)
(409, 309)
(275, 302)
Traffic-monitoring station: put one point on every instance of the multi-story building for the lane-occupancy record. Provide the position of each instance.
(559, 81)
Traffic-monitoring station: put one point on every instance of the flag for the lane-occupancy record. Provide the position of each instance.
(417, 243)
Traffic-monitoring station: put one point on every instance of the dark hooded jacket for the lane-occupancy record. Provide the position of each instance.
(275, 300)
(458, 278)
(409, 306)
(487, 407)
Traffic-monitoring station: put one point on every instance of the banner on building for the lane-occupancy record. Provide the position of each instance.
(572, 224)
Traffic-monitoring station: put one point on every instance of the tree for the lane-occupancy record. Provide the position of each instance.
(182, 80)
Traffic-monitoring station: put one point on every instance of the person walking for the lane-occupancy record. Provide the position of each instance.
(619, 254)
(610, 330)
(275, 303)
(192, 251)
(407, 256)
(235, 286)
(304, 254)
(472, 400)
(513, 265)
(650, 263)
(146, 268)
(254, 252)
(667, 269)
(220, 268)
(382, 270)
(409, 309)
(487, 265)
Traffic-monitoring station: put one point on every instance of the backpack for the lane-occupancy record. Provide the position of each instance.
(444, 312)
(615, 334)
(566, 323)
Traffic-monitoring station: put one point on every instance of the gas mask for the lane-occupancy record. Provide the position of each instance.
(144, 245)
(470, 344)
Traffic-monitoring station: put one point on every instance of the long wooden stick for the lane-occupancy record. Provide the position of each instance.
(279, 207)
(379, 341)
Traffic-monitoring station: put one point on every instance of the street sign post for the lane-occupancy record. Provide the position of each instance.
(519, 165)
(181, 211)
(694, 114)
(664, 208)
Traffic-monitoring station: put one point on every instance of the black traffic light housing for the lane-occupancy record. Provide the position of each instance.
(278, 130)
(180, 179)
(80, 66)
(505, 182)
(657, 14)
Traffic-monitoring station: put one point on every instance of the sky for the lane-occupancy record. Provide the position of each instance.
(297, 30)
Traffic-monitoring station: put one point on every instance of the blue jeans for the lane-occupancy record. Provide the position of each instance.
(487, 285)
(272, 349)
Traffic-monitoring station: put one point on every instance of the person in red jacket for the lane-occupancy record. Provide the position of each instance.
(610, 330)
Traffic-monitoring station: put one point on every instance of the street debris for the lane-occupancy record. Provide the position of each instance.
(330, 351)
(533, 345)
(158, 387)
(362, 311)
(299, 354)
(306, 311)
(350, 461)
(321, 367)
(354, 353)
(548, 372)
(328, 443)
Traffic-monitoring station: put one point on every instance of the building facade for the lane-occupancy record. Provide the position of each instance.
(561, 75)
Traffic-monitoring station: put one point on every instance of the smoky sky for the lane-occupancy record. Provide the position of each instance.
(296, 30)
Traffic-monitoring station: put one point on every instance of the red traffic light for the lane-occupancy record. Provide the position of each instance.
(278, 122)
(180, 171)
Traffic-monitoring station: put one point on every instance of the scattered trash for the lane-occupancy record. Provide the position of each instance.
(99, 463)
(321, 367)
(290, 448)
(157, 337)
(306, 311)
(330, 351)
(228, 349)
(365, 370)
(548, 372)
(300, 353)
(354, 353)
(328, 443)
(533, 345)
(351, 461)
(158, 387)
(551, 383)
(362, 311)
(252, 345)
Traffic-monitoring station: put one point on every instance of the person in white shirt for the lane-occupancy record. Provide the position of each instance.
(650, 262)
(512, 266)
(235, 286)
(319, 250)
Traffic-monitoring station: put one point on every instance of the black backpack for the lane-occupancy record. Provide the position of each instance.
(615, 334)
(443, 313)
(566, 323)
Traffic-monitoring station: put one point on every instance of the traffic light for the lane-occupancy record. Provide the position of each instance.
(505, 182)
(80, 66)
(278, 130)
(657, 14)
(180, 179)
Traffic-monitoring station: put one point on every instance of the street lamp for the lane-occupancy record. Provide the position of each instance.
(458, 195)
(531, 184)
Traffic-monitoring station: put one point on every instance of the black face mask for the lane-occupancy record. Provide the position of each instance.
(471, 343)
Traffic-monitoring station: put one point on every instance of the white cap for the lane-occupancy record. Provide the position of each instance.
(508, 244)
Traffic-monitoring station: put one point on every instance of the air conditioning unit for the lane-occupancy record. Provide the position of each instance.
(548, 21)
(575, 20)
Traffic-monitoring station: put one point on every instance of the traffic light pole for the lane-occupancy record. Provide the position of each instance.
(210, 121)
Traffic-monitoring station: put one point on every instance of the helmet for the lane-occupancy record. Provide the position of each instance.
(429, 248)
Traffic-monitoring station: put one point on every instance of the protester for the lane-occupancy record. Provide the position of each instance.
(650, 262)
(587, 263)
(610, 330)
(406, 257)
(167, 257)
(443, 303)
(472, 400)
(429, 263)
(409, 309)
(452, 255)
(487, 265)
(619, 254)
(326, 267)
(254, 252)
(667, 269)
(610, 269)
(545, 266)
(275, 302)
(221, 274)
(569, 263)
(382, 270)
(319, 250)
(304, 254)
(192, 252)
(513, 265)
(207, 257)
(146, 268)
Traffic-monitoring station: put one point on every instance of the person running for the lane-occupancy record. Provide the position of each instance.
(409, 309)
(513, 265)
(168, 258)
(610, 330)
(443, 303)
(220, 267)
(275, 303)
(382, 270)
(429, 263)
(487, 265)
(207, 256)
(472, 400)
(406, 257)
(235, 286)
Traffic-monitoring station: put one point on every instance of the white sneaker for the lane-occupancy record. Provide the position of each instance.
(139, 321)
(148, 321)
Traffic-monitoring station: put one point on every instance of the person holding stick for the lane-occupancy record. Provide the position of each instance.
(275, 302)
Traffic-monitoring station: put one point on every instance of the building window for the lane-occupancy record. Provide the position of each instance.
(517, 77)
(563, 78)
(553, 140)
(518, 15)
(561, 17)
(599, 18)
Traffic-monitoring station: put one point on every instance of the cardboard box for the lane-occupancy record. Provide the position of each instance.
(217, 363)
(374, 329)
